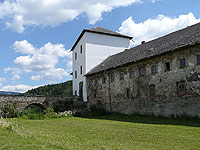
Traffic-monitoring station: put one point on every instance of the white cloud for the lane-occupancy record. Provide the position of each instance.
(156, 27)
(40, 61)
(69, 64)
(16, 77)
(2, 80)
(36, 77)
(23, 47)
(16, 72)
(21, 13)
(21, 88)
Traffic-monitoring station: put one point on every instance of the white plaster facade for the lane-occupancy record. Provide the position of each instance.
(95, 48)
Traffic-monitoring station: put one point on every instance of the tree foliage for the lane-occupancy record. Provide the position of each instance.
(64, 88)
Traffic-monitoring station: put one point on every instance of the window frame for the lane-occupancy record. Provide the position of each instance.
(128, 93)
(154, 71)
(75, 55)
(131, 74)
(81, 49)
(140, 73)
(75, 92)
(181, 92)
(112, 77)
(95, 81)
(75, 74)
(152, 95)
(166, 68)
(198, 59)
(81, 69)
(95, 93)
(121, 76)
(182, 63)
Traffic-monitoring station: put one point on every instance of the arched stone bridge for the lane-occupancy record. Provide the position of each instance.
(21, 102)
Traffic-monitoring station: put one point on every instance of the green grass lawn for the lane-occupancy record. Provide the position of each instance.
(108, 132)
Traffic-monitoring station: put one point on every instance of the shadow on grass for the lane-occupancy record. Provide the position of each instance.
(193, 122)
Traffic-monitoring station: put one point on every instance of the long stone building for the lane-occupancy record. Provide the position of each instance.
(160, 77)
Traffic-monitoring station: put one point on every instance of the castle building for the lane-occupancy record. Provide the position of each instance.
(91, 48)
(160, 77)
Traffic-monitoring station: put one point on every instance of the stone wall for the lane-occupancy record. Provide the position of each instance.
(134, 95)
(22, 102)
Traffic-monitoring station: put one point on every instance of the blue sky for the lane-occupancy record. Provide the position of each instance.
(37, 35)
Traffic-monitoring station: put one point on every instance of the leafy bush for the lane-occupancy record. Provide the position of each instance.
(34, 116)
(93, 112)
(9, 111)
(49, 110)
(33, 112)
(46, 114)
(50, 114)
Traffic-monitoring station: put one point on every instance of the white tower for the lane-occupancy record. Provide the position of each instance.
(91, 48)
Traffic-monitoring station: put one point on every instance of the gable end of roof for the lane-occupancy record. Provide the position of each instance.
(99, 30)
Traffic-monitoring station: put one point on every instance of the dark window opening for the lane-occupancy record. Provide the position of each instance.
(81, 49)
(75, 74)
(198, 59)
(81, 90)
(154, 69)
(96, 82)
(181, 87)
(75, 92)
(103, 80)
(128, 94)
(131, 74)
(152, 91)
(182, 63)
(95, 93)
(167, 66)
(81, 69)
(75, 56)
(112, 77)
(121, 76)
(142, 71)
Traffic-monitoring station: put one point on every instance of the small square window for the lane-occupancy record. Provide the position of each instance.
(181, 87)
(81, 49)
(103, 80)
(75, 56)
(131, 74)
(121, 76)
(142, 71)
(112, 77)
(152, 91)
(154, 69)
(182, 63)
(198, 59)
(167, 66)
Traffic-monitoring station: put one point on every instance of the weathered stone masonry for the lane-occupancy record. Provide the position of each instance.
(166, 92)
(44, 102)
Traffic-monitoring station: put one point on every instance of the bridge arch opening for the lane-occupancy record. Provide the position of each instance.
(34, 108)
